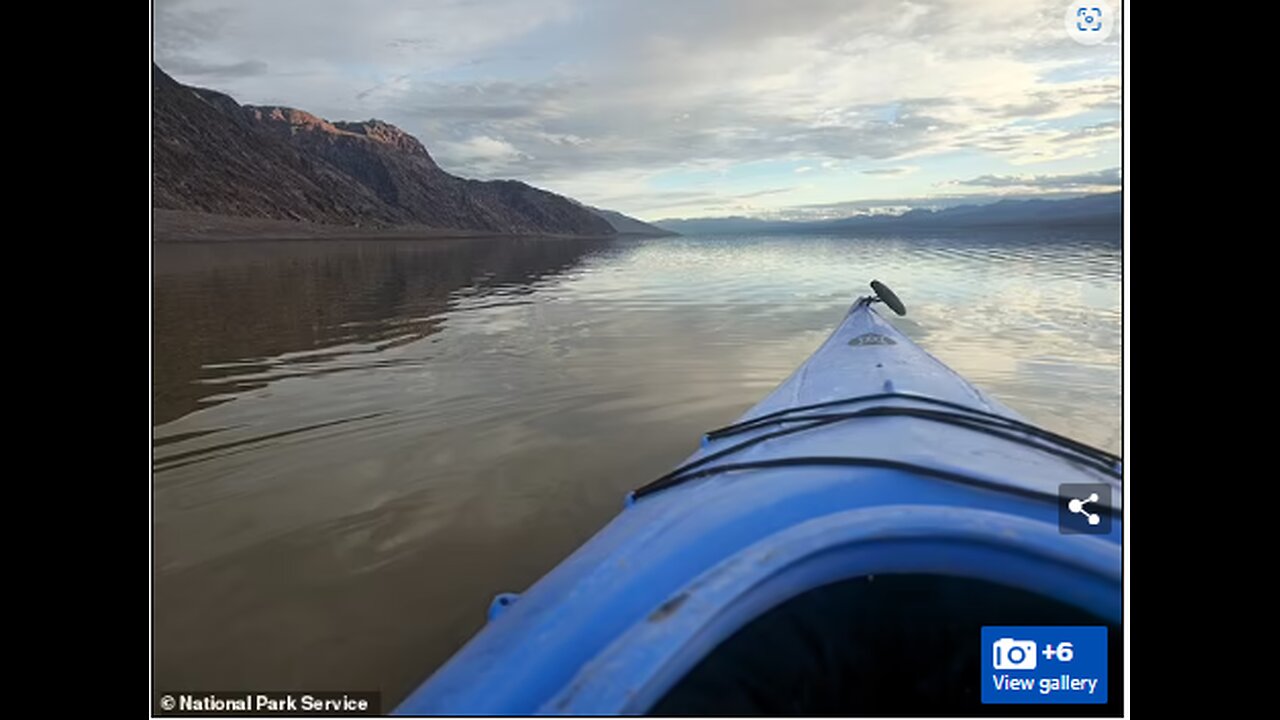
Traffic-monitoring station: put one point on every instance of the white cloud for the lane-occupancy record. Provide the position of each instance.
(485, 154)
(1099, 181)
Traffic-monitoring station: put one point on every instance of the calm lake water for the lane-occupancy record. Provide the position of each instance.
(357, 444)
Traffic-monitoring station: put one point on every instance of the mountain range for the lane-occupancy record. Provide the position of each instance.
(219, 167)
(1103, 210)
(215, 160)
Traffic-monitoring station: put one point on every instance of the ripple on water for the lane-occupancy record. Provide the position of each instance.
(381, 436)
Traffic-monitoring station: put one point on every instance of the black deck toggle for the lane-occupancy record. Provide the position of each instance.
(886, 296)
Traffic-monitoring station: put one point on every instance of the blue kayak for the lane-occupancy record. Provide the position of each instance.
(837, 550)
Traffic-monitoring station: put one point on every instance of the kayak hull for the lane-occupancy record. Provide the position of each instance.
(692, 559)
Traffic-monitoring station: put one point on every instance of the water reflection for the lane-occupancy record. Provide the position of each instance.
(358, 444)
(229, 317)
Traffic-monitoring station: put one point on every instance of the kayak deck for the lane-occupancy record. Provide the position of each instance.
(756, 518)
(904, 403)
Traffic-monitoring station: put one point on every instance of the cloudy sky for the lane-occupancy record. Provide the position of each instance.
(691, 108)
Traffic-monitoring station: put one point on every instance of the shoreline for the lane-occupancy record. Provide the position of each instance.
(181, 226)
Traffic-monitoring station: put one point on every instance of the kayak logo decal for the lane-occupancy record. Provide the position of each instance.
(872, 339)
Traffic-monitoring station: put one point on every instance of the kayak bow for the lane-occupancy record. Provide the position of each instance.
(875, 493)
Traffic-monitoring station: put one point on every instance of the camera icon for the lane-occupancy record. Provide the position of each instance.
(1089, 19)
(1089, 22)
(1010, 654)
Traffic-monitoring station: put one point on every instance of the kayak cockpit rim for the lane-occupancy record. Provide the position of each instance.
(964, 544)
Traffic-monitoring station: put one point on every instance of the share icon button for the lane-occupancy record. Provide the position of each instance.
(1084, 508)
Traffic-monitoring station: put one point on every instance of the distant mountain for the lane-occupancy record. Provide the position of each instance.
(627, 225)
(212, 155)
(1089, 211)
